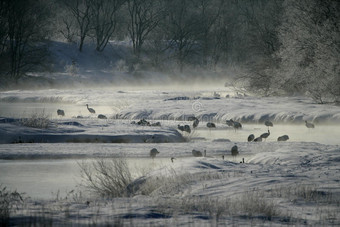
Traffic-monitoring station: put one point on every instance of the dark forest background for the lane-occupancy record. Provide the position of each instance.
(281, 46)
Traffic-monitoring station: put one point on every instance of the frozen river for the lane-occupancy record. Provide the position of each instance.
(46, 176)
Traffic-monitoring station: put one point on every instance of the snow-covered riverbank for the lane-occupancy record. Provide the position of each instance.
(166, 104)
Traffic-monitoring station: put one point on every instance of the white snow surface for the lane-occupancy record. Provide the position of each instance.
(281, 183)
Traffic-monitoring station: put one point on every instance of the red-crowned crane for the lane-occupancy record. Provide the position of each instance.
(251, 137)
(230, 123)
(101, 116)
(153, 152)
(60, 112)
(234, 150)
(265, 135)
(283, 138)
(309, 125)
(196, 153)
(184, 128)
(195, 124)
(268, 124)
(90, 109)
(235, 124)
(211, 125)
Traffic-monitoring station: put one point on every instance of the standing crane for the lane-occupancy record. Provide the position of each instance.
(237, 125)
(153, 152)
(265, 135)
(90, 109)
(196, 122)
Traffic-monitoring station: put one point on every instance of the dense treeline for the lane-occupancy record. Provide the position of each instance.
(279, 46)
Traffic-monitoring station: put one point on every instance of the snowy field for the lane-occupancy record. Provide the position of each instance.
(280, 183)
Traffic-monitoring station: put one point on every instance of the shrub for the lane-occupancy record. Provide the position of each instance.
(248, 204)
(37, 120)
(254, 203)
(106, 177)
(306, 192)
(9, 200)
(174, 183)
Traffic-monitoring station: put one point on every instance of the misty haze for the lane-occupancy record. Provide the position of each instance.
(169, 112)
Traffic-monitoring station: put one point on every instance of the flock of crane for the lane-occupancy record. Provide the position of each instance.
(186, 128)
(236, 125)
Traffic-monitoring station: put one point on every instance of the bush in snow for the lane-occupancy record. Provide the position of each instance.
(174, 183)
(306, 192)
(37, 120)
(106, 177)
(9, 200)
(247, 204)
(254, 203)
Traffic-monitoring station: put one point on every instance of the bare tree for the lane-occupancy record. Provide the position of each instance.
(182, 29)
(80, 10)
(3, 25)
(24, 25)
(3, 37)
(67, 27)
(261, 19)
(208, 13)
(104, 14)
(144, 16)
(221, 35)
